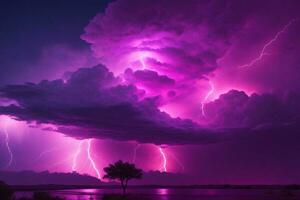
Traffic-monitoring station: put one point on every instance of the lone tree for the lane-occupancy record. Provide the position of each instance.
(123, 172)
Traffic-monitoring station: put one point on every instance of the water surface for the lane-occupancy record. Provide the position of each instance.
(177, 194)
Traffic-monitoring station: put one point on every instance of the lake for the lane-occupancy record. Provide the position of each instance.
(176, 194)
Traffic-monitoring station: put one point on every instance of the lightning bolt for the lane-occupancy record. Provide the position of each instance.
(11, 157)
(177, 160)
(142, 60)
(74, 165)
(89, 155)
(206, 98)
(163, 155)
(42, 154)
(134, 152)
(265, 47)
(62, 162)
(91, 159)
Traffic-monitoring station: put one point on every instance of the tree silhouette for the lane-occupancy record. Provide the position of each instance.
(123, 172)
(6, 193)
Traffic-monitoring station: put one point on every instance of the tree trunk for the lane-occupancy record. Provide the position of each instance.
(126, 182)
(123, 187)
(124, 190)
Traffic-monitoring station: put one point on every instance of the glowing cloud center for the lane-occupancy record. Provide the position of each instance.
(142, 60)
(164, 165)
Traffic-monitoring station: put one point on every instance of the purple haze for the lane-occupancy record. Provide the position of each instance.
(210, 87)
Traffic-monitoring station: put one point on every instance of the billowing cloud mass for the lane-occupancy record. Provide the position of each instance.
(93, 103)
(165, 64)
(197, 43)
(182, 40)
(174, 41)
(236, 109)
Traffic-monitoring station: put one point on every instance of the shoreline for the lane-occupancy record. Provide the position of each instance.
(229, 187)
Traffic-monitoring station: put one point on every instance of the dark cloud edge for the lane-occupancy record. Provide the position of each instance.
(93, 104)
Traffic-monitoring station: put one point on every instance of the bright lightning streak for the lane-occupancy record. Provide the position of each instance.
(74, 165)
(142, 60)
(62, 162)
(210, 92)
(91, 159)
(134, 152)
(164, 166)
(177, 160)
(11, 157)
(42, 154)
(163, 155)
(269, 43)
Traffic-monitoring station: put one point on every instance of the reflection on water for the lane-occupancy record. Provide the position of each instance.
(162, 191)
(174, 194)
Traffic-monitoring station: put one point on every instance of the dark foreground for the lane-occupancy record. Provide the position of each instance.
(172, 194)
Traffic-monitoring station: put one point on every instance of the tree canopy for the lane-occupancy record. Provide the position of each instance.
(123, 172)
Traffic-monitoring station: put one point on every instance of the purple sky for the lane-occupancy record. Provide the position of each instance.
(209, 89)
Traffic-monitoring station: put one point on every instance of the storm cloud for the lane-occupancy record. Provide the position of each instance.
(171, 37)
(194, 42)
(93, 103)
(161, 60)
(237, 109)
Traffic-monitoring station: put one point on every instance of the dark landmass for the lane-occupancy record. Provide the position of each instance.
(46, 178)
(42, 181)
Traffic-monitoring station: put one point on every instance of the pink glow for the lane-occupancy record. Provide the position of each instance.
(142, 59)
(173, 57)
(89, 156)
(74, 165)
(53, 166)
(162, 191)
(47, 151)
(265, 47)
(210, 92)
(164, 165)
(137, 60)
(172, 110)
(134, 152)
(7, 123)
(177, 161)
(11, 157)
(91, 159)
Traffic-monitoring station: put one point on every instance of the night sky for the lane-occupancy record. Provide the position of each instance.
(207, 89)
